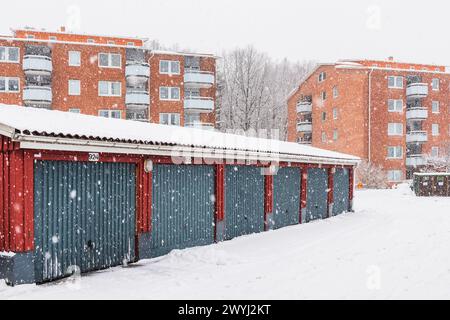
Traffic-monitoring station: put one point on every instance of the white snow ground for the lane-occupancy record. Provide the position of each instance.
(394, 246)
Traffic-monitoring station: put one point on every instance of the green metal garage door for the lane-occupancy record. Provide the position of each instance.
(244, 201)
(341, 191)
(85, 216)
(286, 197)
(317, 195)
(183, 207)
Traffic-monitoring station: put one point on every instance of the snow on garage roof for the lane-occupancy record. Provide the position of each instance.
(51, 128)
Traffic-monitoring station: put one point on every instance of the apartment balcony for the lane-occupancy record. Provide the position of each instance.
(304, 127)
(198, 79)
(415, 160)
(304, 107)
(199, 104)
(417, 137)
(37, 95)
(305, 142)
(417, 90)
(200, 125)
(37, 65)
(137, 99)
(137, 72)
(417, 114)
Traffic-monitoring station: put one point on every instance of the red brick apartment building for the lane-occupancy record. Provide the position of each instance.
(392, 114)
(107, 76)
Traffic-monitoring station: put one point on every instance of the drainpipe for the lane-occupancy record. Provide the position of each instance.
(370, 117)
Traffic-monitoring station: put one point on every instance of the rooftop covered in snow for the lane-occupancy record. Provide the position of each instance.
(55, 130)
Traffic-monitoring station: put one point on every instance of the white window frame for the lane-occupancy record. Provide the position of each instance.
(324, 137)
(396, 126)
(433, 104)
(435, 152)
(396, 78)
(110, 55)
(110, 112)
(7, 79)
(69, 92)
(335, 135)
(110, 90)
(169, 89)
(396, 103)
(433, 81)
(74, 110)
(169, 118)
(322, 77)
(52, 38)
(335, 92)
(90, 41)
(323, 96)
(71, 64)
(395, 175)
(7, 60)
(397, 152)
(170, 62)
(335, 113)
(434, 132)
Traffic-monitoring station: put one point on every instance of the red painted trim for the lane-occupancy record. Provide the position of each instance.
(330, 189)
(28, 201)
(351, 173)
(149, 201)
(2, 203)
(82, 156)
(268, 203)
(16, 203)
(220, 197)
(6, 193)
(304, 192)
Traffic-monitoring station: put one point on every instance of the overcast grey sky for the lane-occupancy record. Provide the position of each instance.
(323, 30)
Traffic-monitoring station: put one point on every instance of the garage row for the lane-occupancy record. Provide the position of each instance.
(64, 211)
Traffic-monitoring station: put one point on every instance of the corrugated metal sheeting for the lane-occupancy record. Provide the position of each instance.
(244, 201)
(84, 216)
(183, 207)
(341, 191)
(317, 194)
(286, 196)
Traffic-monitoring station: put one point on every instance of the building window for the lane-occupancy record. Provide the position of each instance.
(110, 60)
(435, 107)
(115, 114)
(324, 95)
(90, 41)
(395, 129)
(335, 92)
(30, 36)
(169, 67)
(395, 175)
(74, 110)
(435, 83)
(9, 54)
(395, 152)
(322, 76)
(324, 137)
(395, 105)
(111, 42)
(109, 89)
(395, 82)
(435, 151)
(74, 88)
(435, 129)
(324, 116)
(52, 38)
(335, 113)
(171, 119)
(130, 44)
(169, 93)
(74, 58)
(335, 135)
(9, 85)
(191, 118)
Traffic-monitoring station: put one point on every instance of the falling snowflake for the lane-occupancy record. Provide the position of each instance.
(73, 194)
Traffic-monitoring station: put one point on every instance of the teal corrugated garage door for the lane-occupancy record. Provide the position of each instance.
(286, 197)
(317, 195)
(341, 191)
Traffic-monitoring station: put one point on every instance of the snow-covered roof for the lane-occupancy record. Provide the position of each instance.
(432, 174)
(56, 130)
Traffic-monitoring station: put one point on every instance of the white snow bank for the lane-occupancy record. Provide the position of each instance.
(7, 254)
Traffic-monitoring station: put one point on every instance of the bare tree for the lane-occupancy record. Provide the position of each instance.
(371, 176)
(439, 163)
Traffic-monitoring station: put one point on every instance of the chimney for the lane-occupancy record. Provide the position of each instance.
(62, 29)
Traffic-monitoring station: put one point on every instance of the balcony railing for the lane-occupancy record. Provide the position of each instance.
(417, 114)
(304, 127)
(200, 125)
(304, 107)
(199, 104)
(137, 71)
(417, 90)
(137, 99)
(198, 79)
(415, 160)
(37, 65)
(37, 94)
(416, 137)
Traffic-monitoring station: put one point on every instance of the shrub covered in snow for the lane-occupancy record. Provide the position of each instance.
(371, 176)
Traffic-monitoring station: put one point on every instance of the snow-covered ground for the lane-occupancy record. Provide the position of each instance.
(394, 246)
